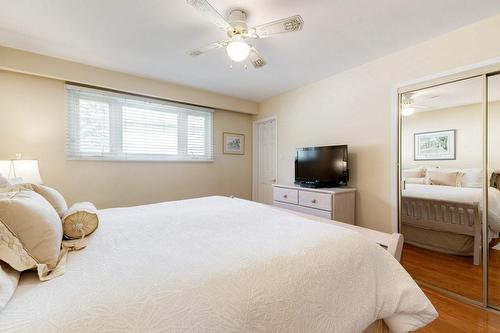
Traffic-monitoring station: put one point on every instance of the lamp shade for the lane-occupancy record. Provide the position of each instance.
(25, 171)
(5, 168)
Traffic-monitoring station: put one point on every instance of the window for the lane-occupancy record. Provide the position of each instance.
(105, 125)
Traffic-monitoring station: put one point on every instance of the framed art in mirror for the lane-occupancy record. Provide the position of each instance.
(437, 145)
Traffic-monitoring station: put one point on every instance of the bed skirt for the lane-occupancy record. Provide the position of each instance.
(440, 241)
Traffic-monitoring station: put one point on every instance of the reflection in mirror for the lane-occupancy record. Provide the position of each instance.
(441, 191)
(493, 190)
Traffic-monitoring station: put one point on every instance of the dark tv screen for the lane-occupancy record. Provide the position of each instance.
(322, 165)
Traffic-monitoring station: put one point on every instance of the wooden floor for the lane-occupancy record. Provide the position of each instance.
(453, 273)
(456, 316)
(457, 274)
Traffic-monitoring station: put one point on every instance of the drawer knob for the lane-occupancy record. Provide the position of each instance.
(314, 201)
(285, 196)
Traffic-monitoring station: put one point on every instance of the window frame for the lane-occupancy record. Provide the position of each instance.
(116, 149)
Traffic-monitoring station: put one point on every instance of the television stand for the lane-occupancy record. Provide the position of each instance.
(335, 203)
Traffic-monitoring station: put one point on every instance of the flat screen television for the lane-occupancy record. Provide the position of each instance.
(322, 166)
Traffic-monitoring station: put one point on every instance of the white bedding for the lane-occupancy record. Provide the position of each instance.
(459, 194)
(221, 265)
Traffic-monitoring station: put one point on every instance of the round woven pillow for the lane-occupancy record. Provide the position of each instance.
(80, 220)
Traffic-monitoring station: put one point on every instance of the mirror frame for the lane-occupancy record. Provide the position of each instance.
(483, 71)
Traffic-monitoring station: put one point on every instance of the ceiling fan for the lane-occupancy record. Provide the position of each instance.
(408, 106)
(238, 32)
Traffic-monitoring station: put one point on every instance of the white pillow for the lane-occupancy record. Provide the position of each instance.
(51, 195)
(472, 177)
(33, 233)
(414, 173)
(447, 177)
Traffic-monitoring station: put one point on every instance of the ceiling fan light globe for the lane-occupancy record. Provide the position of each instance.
(407, 111)
(238, 50)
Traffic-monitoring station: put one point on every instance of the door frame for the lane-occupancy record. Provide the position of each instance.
(255, 152)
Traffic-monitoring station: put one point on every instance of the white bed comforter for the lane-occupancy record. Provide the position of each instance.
(218, 264)
(460, 194)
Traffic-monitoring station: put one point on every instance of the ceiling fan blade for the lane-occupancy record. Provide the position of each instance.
(213, 46)
(209, 12)
(256, 59)
(290, 24)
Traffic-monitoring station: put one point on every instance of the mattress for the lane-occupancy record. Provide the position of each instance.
(459, 194)
(219, 264)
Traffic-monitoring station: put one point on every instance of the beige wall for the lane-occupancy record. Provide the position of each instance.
(32, 116)
(355, 107)
(467, 120)
(40, 65)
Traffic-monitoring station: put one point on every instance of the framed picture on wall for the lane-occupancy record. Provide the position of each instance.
(233, 143)
(438, 145)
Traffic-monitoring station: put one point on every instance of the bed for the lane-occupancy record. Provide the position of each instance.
(219, 264)
(448, 218)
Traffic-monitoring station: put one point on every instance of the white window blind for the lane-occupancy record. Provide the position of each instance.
(103, 125)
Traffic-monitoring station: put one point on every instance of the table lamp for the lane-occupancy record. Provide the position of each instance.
(21, 171)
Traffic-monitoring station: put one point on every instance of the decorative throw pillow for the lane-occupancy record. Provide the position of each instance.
(51, 195)
(30, 233)
(492, 176)
(440, 177)
(80, 220)
(9, 279)
(414, 173)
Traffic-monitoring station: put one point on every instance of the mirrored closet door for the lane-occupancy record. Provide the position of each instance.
(441, 186)
(493, 85)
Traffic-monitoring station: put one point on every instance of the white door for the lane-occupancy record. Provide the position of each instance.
(265, 150)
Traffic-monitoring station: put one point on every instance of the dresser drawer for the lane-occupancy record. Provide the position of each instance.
(306, 210)
(286, 195)
(315, 200)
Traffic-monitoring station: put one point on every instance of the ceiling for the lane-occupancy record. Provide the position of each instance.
(459, 93)
(151, 37)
